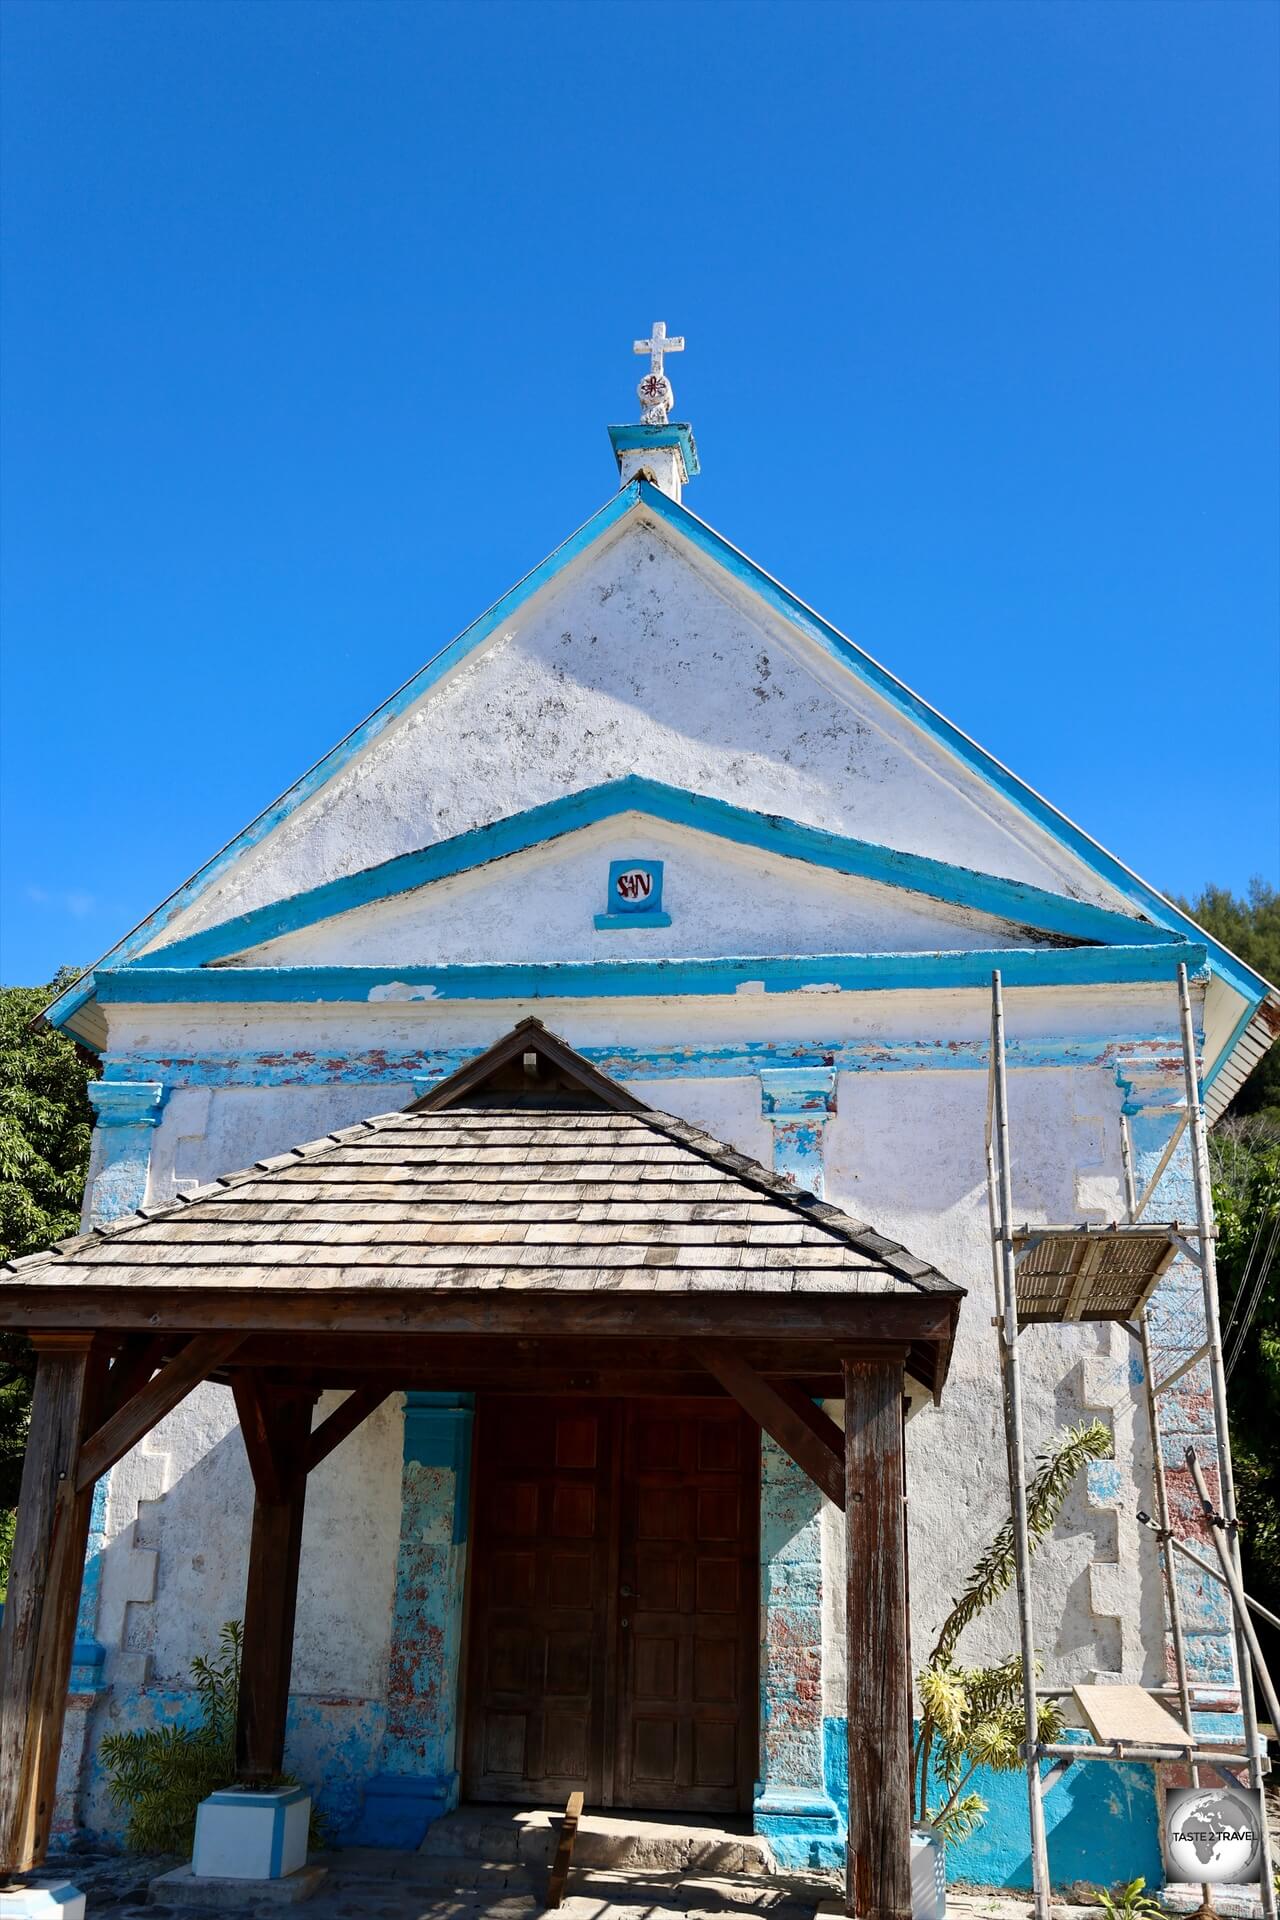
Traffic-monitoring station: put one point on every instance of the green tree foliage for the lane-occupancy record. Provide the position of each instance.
(1246, 1167)
(45, 1122)
(1245, 1151)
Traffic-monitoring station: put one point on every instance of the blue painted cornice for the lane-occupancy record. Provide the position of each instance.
(636, 437)
(591, 979)
(1009, 900)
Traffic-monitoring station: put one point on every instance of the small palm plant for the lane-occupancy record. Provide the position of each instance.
(975, 1716)
(1129, 1901)
(161, 1774)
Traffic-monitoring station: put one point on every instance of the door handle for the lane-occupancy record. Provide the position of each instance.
(626, 1592)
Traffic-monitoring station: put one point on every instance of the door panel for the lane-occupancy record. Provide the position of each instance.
(614, 1609)
(540, 1592)
(688, 1612)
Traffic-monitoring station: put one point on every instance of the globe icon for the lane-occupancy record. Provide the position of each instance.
(1212, 1836)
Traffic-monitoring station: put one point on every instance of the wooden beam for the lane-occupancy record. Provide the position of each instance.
(343, 1421)
(256, 1410)
(133, 1421)
(878, 1880)
(816, 1418)
(564, 1851)
(504, 1312)
(132, 1367)
(811, 1452)
(44, 1591)
(271, 1596)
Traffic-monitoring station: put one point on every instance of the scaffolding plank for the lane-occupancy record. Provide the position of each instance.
(1130, 1714)
(1089, 1272)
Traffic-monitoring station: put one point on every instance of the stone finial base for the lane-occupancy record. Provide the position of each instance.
(185, 1888)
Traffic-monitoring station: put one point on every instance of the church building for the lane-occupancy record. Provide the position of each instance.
(538, 1224)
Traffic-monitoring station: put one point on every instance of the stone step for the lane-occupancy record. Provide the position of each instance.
(634, 1843)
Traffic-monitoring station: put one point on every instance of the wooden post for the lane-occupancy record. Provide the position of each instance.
(271, 1595)
(44, 1592)
(878, 1884)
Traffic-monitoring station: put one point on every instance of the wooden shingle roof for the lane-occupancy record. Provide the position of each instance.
(489, 1197)
(567, 1185)
(524, 1179)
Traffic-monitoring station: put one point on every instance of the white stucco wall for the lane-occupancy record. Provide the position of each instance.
(643, 657)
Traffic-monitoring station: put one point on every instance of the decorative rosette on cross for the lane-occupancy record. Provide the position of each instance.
(656, 397)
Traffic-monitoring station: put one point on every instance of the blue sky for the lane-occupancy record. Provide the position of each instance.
(315, 315)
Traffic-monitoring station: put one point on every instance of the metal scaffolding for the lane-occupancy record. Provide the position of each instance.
(1061, 1274)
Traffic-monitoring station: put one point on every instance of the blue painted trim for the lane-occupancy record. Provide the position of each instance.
(622, 922)
(437, 1433)
(126, 1103)
(635, 436)
(594, 979)
(1008, 900)
(425, 1067)
(794, 1093)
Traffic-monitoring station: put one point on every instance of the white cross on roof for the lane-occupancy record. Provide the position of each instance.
(658, 345)
(655, 392)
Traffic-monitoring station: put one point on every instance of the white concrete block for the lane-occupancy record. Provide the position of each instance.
(246, 1835)
(52, 1900)
(928, 1877)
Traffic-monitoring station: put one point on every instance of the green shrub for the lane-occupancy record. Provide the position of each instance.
(160, 1776)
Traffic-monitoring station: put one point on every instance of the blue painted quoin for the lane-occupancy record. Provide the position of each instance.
(417, 1777)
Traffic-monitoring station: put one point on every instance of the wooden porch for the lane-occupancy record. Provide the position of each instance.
(528, 1226)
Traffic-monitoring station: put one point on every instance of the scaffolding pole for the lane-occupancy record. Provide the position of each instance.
(1198, 1245)
(1222, 1428)
(1000, 1192)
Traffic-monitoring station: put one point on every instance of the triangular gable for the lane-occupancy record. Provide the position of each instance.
(1002, 904)
(1249, 988)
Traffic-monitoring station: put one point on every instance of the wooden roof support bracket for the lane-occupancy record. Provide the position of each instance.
(343, 1421)
(123, 1429)
(805, 1434)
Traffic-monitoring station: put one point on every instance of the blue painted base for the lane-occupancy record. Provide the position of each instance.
(804, 1828)
(1102, 1823)
(398, 1809)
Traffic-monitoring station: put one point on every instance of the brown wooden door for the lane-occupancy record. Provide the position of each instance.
(689, 1607)
(614, 1611)
(540, 1598)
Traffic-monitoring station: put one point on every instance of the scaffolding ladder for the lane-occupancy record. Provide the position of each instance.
(1086, 1272)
